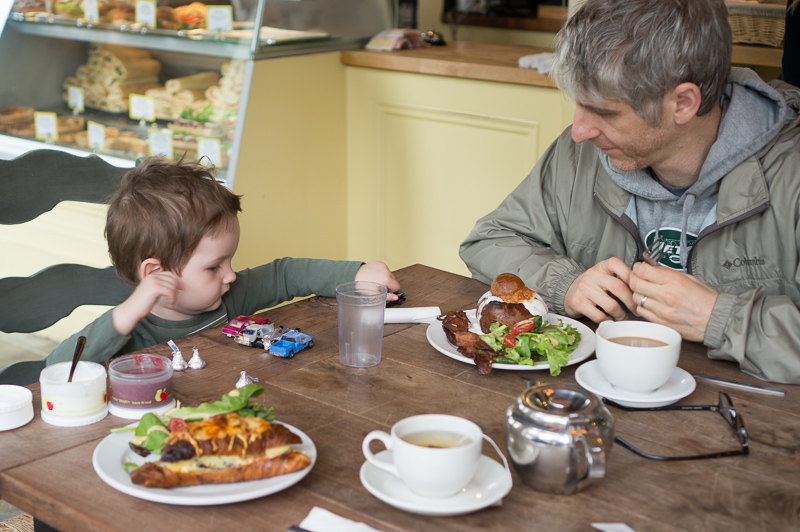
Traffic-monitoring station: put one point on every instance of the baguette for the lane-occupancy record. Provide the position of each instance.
(225, 470)
(200, 81)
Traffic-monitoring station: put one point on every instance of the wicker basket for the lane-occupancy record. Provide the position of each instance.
(753, 23)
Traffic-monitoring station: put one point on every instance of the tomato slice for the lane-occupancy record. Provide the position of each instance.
(522, 327)
(509, 340)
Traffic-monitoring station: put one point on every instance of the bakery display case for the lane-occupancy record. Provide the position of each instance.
(131, 78)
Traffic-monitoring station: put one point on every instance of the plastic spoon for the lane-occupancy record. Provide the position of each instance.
(77, 356)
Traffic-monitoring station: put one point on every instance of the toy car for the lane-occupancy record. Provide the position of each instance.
(253, 335)
(235, 326)
(290, 343)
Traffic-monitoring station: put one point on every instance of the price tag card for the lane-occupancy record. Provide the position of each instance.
(161, 143)
(219, 19)
(75, 98)
(90, 11)
(141, 107)
(146, 13)
(209, 151)
(97, 135)
(46, 125)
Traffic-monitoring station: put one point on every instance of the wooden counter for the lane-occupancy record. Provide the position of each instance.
(459, 59)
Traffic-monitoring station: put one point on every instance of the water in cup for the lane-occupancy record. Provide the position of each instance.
(360, 307)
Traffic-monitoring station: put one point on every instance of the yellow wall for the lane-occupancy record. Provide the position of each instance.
(291, 167)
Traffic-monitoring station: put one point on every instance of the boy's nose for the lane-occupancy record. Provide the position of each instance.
(230, 276)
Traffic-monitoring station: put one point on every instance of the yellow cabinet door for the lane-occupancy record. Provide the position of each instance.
(429, 155)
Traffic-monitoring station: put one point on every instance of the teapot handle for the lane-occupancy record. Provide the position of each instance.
(595, 463)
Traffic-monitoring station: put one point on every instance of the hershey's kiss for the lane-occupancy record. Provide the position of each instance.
(196, 362)
(245, 379)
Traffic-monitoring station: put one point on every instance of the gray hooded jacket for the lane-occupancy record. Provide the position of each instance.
(751, 118)
(569, 214)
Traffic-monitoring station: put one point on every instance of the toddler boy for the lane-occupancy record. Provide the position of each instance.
(172, 231)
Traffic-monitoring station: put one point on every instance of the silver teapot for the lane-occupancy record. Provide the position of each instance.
(558, 437)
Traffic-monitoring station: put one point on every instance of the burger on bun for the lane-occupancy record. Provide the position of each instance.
(508, 302)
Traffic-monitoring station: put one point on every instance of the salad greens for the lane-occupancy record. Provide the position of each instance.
(200, 115)
(233, 401)
(532, 341)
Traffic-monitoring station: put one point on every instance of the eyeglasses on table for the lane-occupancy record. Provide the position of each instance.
(724, 407)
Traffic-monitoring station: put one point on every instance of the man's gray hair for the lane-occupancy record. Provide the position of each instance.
(636, 51)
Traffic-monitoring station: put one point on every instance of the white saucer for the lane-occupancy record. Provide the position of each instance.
(680, 384)
(491, 483)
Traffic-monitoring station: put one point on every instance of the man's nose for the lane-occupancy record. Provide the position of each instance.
(582, 127)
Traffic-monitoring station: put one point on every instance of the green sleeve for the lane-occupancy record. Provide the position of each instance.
(285, 279)
(102, 342)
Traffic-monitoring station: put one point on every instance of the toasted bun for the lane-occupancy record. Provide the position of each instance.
(511, 288)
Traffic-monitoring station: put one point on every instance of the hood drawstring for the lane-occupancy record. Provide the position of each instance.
(688, 205)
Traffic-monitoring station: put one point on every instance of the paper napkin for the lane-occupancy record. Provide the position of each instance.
(612, 527)
(411, 315)
(321, 520)
(541, 62)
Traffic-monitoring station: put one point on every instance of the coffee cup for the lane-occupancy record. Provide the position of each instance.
(637, 356)
(434, 455)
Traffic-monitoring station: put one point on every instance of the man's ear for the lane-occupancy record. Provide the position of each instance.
(684, 101)
(149, 266)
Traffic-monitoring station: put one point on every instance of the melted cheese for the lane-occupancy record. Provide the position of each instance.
(200, 463)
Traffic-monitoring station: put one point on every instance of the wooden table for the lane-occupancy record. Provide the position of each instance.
(47, 471)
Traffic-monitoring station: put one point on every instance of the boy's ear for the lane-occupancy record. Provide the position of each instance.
(149, 266)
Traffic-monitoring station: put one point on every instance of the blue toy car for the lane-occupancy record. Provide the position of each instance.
(290, 343)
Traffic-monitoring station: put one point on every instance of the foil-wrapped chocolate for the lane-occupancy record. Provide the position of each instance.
(245, 379)
(178, 362)
(196, 362)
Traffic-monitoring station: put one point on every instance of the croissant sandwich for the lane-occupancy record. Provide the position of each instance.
(223, 449)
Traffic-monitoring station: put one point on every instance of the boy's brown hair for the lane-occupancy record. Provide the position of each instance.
(162, 209)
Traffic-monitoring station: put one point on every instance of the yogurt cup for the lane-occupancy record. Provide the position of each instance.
(139, 384)
(73, 404)
(16, 406)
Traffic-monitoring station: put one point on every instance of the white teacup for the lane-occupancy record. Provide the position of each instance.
(637, 368)
(443, 459)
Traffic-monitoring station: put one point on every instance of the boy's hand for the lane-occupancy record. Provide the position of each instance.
(153, 287)
(378, 272)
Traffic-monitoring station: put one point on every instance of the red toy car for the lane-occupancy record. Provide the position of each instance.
(235, 326)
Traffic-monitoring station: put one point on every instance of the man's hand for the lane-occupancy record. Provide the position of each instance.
(378, 272)
(675, 299)
(598, 292)
(153, 287)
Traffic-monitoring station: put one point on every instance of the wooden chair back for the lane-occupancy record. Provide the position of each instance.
(34, 183)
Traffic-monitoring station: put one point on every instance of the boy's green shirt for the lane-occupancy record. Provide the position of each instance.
(253, 290)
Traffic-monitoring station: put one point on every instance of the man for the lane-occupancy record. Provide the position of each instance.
(668, 142)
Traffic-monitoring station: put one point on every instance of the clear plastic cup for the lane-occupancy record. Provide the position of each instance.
(360, 306)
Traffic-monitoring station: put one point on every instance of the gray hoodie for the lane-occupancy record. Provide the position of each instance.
(752, 114)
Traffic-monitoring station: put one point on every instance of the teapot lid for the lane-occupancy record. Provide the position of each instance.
(560, 406)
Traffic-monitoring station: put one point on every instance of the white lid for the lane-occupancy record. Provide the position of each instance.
(16, 406)
(74, 421)
(13, 398)
(137, 413)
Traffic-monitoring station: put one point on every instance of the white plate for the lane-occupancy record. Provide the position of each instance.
(113, 451)
(680, 384)
(438, 340)
(490, 484)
